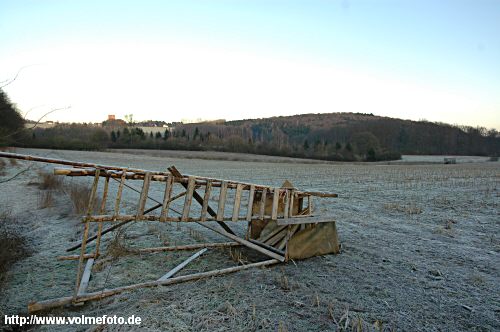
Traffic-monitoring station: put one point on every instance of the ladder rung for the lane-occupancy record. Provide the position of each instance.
(222, 201)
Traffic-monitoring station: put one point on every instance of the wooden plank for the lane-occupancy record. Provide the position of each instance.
(290, 231)
(55, 303)
(245, 243)
(237, 202)
(83, 247)
(251, 195)
(309, 204)
(286, 210)
(119, 193)
(292, 201)
(276, 199)
(222, 201)
(182, 265)
(189, 198)
(166, 197)
(206, 199)
(144, 195)
(190, 247)
(303, 220)
(102, 210)
(276, 238)
(84, 283)
(262, 209)
(272, 234)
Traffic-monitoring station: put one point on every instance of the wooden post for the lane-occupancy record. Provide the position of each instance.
(102, 210)
(309, 204)
(189, 198)
(286, 209)
(262, 209)
(144, 195)
(237, 202)
(222, 201)
(166, 197)
(206, 199)
(251, 194)
(90, 209)
(276, 198)
(119, 193)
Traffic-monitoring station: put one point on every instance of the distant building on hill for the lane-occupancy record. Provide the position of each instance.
(111, 117)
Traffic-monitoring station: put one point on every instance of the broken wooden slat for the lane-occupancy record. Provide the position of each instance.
(189, 198)
(251, 195)
(237, 202)
(276, 198)
(262, 209)
(206, 199)
(144, 195)
(166, 197)
(84, 283)
(222, 201)
(303, 220)
(182, 265)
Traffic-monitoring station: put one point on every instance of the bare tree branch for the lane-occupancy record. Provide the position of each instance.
(38, 122)
(9, 81)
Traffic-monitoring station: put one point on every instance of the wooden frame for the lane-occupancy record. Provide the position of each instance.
(265, 204)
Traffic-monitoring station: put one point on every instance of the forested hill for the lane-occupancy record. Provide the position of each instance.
(348, 136)
(334, 136)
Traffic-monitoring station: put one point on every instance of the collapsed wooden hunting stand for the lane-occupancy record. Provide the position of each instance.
(280, 222)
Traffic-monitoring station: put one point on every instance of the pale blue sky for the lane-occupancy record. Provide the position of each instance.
(173, 60)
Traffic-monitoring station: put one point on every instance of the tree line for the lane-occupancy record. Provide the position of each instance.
(335, 136)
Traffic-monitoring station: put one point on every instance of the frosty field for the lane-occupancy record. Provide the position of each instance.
(420, 250)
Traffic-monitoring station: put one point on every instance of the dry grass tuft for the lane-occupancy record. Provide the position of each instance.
(45, 199)
(2, 167)
(80, 196)
(13, 247)
(49, 181)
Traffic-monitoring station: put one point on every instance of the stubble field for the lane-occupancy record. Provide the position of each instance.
(420, 251)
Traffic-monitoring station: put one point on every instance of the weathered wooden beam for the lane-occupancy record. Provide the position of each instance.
(84, 283)
(251, 195)
(206, 199)
(262, 207)
(179, 267)
(189, 198)
(245, 243)
(55, 303)
(304, 220)
(276, 198)
(237, 202)
(190, 247)
(144, 195)
(166, 198)
(222, 202)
